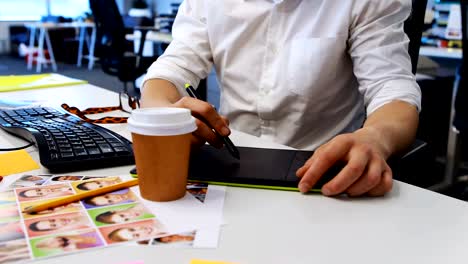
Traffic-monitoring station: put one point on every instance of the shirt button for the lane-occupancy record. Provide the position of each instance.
(274, 50)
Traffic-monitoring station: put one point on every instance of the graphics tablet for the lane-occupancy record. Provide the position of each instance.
(257, 168)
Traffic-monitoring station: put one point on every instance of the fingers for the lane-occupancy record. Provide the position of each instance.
(321, 161)
(384, 186)
(352, 172)
(204, 133)
(205, 112)
(371, 178)
(366, 171)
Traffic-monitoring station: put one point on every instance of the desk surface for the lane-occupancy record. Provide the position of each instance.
(50, 25)
(160, 37)
(410, 225)
(447, 53)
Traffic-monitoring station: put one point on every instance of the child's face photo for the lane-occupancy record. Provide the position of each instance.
(65, 242)
(30, 180)
(94, 184)
(133, 231)
(198, 190)
(8, 213)
(43, 192)
(175, 240)
(66, 178)
(11, 231)
(66, 208)
(113, 198)
(14, 251)
(7, 197)
(57, 224)
(119, 214)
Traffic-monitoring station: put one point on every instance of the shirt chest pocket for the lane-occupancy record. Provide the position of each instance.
(312, 64)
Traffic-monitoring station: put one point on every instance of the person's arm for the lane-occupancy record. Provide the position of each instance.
(188, 59)
(378, 48)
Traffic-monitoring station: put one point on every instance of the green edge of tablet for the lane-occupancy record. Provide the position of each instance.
(248, 185)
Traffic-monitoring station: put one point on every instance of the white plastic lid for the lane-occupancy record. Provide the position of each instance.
(161, 121)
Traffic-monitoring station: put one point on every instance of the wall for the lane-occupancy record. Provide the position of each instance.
(164, 6)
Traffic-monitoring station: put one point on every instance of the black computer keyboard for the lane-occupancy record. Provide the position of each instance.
(65, 142)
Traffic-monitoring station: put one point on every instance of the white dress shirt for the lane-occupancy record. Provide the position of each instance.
(297, 72)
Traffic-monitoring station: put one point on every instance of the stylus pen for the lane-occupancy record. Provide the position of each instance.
(227, 142)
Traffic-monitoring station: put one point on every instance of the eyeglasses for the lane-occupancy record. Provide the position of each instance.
(126, 104)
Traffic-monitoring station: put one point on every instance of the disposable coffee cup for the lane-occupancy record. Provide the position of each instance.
(161, 143)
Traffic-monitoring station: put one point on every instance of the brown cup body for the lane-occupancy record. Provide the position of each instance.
(162, 165)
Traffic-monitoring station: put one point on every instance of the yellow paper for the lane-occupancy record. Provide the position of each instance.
(200, 261)
(35, 81)
(15, 162)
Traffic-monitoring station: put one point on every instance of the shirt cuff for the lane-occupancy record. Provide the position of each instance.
(402, 90)
(160, 70)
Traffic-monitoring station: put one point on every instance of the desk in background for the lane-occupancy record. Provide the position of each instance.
(43, 30)
(447, 53)
(151, 38)
(409, 225)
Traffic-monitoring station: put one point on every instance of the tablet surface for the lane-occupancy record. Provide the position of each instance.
(257, 168)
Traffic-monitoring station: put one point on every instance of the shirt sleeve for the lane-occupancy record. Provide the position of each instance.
(188, 58)
(378, 47)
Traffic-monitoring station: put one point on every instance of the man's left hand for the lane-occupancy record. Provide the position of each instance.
(366, 171)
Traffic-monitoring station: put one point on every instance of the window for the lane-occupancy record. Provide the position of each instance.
(22, 9)
(69, 8)
(35, 9)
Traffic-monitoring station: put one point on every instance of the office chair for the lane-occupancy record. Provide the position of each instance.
(111, 44)
(414, 27)
(407, 168)
(458, 127)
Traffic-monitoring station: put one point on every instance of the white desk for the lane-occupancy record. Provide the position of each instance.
(44, 28)
(409, 225)
(153, 36)
(448, 53)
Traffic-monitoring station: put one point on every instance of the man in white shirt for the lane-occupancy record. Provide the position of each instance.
(329, 75)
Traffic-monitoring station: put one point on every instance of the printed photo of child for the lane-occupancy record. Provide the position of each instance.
(183, 240)
(11, 231)
(118, 197)
(198, 190)
(9, 213)
(43, 192)
(119, 214)
(14, 251)
(66, 178)
(94, 184)
(7, 197)
(65, 242)
(66, 208)
(57, 224)
(132, 231)
(92, 177)
(30, 181)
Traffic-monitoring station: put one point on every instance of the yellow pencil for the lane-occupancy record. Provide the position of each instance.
(76, 197)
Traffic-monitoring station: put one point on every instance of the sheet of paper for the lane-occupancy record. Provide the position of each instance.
(120, 217)
(35, 81)
(18, 161)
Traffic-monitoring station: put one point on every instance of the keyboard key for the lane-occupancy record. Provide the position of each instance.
(121, 149)
(94, 151)
(80, 152)
(105, 148)
(67, 155)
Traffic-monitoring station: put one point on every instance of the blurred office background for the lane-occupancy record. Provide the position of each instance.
(440, 56)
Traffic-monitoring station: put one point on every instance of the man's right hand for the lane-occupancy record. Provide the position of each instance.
(206, 119)
(162, 93)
